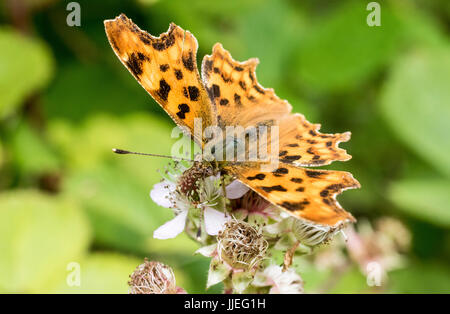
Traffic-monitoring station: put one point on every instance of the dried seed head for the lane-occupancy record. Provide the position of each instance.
(189, 180)
(241, 245)
(152, 278)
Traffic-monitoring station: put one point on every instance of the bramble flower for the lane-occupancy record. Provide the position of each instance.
(153, 278)
(279, 281)
(190, 188)
(382, 244)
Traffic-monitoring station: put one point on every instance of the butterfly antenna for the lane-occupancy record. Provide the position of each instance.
(125, 152)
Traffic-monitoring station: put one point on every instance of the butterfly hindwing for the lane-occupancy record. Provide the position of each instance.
(308, 194)
(301, 143)
(166, 67)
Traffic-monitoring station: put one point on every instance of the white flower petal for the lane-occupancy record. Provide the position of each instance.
(236, 189)
(160, 193)
(207, 251)
(172, 228)
(287, 282)
(214, 220)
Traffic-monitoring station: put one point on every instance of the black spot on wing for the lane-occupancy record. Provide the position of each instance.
(166, 41)
(314, 173)
(259, 176)
(188, 61)
(289, 159)
(134, 63)
(164, 90)
(280, 172)
(184, 108)
(193, 93)
(216, 91)
(293, 206)
(297, 180)
(164, 67)
(178, 74)
(269, 189)
(208, 66)
(237, 100)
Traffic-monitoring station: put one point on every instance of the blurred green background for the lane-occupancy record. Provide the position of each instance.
(65, 101)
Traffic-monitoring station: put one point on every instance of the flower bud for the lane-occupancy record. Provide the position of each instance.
(312, 234)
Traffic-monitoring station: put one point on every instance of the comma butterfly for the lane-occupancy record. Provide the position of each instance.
(228, 94)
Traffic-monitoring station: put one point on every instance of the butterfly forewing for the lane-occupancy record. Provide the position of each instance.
(166, 67)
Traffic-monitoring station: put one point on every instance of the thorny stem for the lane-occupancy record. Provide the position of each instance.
(227, 286)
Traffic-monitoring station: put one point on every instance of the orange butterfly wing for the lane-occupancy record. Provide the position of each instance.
(166, 67)
(308, 194)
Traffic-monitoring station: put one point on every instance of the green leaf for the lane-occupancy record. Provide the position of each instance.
(26, 65)
(428, 200)
(39, 236)
(102, 273)
(415, 102)
(341, 51)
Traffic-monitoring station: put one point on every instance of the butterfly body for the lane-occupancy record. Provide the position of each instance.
(229, 95)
